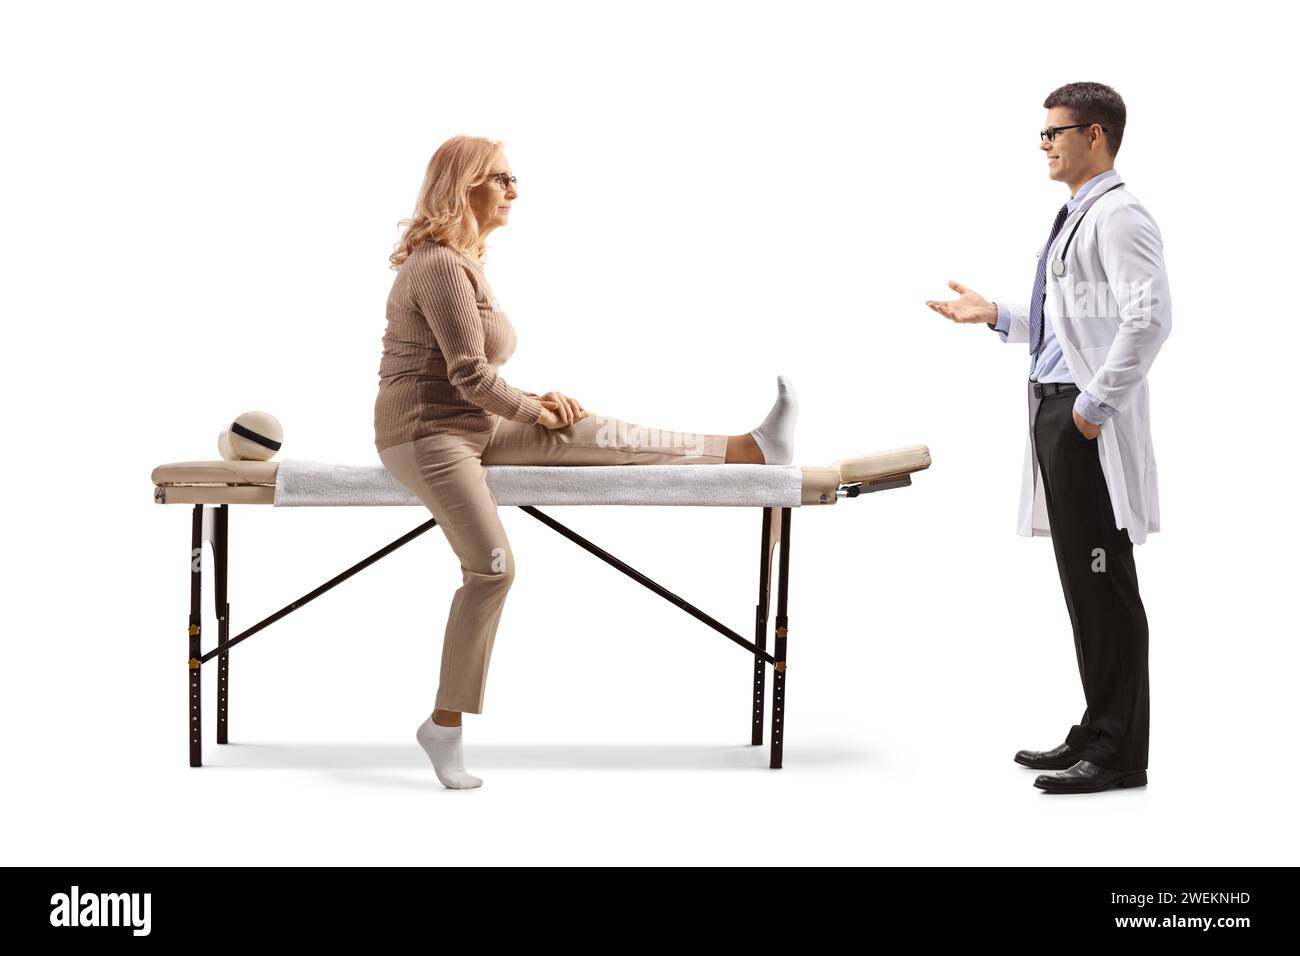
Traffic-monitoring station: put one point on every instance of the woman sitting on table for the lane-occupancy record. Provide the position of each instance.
(443, 412)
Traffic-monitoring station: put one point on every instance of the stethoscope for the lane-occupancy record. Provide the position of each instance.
(1058, 262)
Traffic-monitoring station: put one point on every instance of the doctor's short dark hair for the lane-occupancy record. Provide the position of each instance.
(1092, 103)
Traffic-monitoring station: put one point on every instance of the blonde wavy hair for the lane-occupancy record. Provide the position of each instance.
(443, 213)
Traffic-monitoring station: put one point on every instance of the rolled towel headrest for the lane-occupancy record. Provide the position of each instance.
(253, 436)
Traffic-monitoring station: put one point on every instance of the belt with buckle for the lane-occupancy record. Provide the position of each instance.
(1048, 389)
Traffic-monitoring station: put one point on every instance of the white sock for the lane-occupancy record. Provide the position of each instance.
(442, 744)
(775, 437)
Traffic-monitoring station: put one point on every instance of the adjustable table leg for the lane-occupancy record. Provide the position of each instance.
(195, 722)
(771, 533)
(220, 551)
(778, 676)
(765, 563)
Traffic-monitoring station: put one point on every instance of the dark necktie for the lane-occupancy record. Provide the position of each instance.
(1040, 286)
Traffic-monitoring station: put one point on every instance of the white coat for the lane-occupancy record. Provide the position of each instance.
(1111, 313)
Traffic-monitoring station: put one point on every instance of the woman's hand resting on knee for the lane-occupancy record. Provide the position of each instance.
(559, 410)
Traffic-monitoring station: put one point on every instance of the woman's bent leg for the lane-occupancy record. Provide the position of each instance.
(444, 471)
(600, 440)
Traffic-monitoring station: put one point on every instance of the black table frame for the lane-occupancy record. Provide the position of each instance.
(775, 532)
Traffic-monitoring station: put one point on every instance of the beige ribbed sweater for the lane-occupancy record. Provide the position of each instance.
(446, 336)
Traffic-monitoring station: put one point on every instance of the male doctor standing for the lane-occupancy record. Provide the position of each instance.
(1097, 316)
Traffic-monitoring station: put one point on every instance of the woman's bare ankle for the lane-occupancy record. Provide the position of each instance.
(743, 450)
(446, 718)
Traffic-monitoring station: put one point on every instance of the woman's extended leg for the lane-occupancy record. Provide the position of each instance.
(602, 440)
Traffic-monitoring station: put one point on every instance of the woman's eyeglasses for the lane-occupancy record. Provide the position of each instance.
(505, 180)
(1049, 134)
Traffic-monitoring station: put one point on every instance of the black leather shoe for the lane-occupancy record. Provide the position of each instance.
(1085, 777)
(1058, 758)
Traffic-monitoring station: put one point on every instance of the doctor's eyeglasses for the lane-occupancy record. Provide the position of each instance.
(1049, 135)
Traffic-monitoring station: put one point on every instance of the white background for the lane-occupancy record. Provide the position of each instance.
(199, 202)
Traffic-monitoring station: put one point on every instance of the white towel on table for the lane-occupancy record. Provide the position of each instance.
(311, 483)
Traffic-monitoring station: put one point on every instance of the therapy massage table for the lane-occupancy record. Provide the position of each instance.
(211, 487)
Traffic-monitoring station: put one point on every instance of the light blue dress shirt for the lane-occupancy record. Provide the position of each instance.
(1051, 365)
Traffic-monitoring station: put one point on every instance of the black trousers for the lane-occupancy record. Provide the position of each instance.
(1099, 578)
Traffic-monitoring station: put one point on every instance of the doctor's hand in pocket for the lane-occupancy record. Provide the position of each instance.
(971, 307)
(560, 411)
(1086, 428)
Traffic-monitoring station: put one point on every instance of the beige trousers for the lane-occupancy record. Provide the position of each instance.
(445, 471)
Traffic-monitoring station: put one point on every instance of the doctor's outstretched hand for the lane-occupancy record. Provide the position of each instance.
(971, 307)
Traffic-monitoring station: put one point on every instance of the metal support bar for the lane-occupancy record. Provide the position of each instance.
(879, 484)
(222, 648)
(636, 575)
